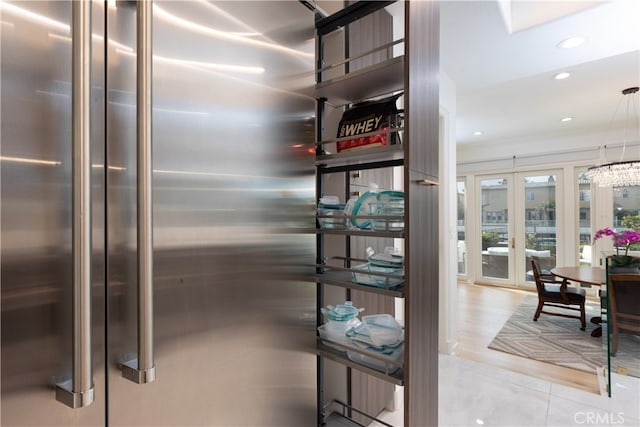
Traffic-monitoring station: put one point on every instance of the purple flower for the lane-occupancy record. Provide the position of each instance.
(623, 239)
(631, 236)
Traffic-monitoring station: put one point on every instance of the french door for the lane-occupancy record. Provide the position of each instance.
(517, 223)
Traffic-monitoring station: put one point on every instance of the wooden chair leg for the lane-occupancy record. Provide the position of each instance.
(614, 340)
(582, 318)
(538, 311)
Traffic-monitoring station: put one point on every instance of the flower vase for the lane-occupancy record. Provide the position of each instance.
(621, 260)
(623, 264)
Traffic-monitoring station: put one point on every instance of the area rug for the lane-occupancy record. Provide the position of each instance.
(559, 341)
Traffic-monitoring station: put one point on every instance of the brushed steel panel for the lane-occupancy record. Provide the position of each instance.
(422, 65)
(36, 265)
(422, 145)
(234, 330)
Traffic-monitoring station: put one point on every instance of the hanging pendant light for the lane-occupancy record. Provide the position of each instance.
(622, 173)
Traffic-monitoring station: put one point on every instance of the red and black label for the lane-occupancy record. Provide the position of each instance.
(367, 117)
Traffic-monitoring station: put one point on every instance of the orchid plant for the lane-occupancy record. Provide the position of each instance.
(622, 239)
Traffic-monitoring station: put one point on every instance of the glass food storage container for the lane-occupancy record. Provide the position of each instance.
(331, 213)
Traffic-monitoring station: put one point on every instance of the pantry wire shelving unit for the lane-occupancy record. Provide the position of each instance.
(415, 74)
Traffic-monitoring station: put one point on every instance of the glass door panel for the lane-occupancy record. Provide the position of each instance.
(624, 350)
(462, 241)
(540, 232)
(584, 219)
(495, 200)
(626, 207)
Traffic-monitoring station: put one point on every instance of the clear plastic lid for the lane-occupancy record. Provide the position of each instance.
(341, 312)
(392, 257)
(329, 200)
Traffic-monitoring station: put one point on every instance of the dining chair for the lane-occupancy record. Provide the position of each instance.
(555, 293)
(624, 305)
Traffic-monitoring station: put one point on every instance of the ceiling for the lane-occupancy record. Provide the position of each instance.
(502, 57)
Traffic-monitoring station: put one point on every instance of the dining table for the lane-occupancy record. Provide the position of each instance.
(590, 275)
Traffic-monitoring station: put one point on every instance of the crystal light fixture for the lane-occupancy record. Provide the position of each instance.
(622, 173)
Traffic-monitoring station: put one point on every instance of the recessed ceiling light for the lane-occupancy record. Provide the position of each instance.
(570, 43)
(477, 133)
(561, 76)
(567, 119)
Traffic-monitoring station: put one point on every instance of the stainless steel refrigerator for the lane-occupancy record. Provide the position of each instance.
(157, 172)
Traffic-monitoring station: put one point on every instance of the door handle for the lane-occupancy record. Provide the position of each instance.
(78, 391)
(513, 242)
(141, 369)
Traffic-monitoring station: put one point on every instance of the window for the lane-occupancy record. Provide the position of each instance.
(626, 207)
(462, 244)
(584, 214)
(531, 195)
(585, 196)
(584, 209)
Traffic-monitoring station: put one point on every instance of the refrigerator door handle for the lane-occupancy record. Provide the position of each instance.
(141, 369)
(78, 391)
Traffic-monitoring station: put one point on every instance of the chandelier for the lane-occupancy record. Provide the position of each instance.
(622, 173)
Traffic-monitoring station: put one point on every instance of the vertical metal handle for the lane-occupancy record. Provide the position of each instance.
(79, 391)
(142, 369)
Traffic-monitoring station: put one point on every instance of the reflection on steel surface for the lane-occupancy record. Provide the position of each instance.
(234, 318)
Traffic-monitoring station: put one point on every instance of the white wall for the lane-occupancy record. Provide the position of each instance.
(580, 149)
(448, 292)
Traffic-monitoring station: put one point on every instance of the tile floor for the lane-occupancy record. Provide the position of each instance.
(472, 394)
